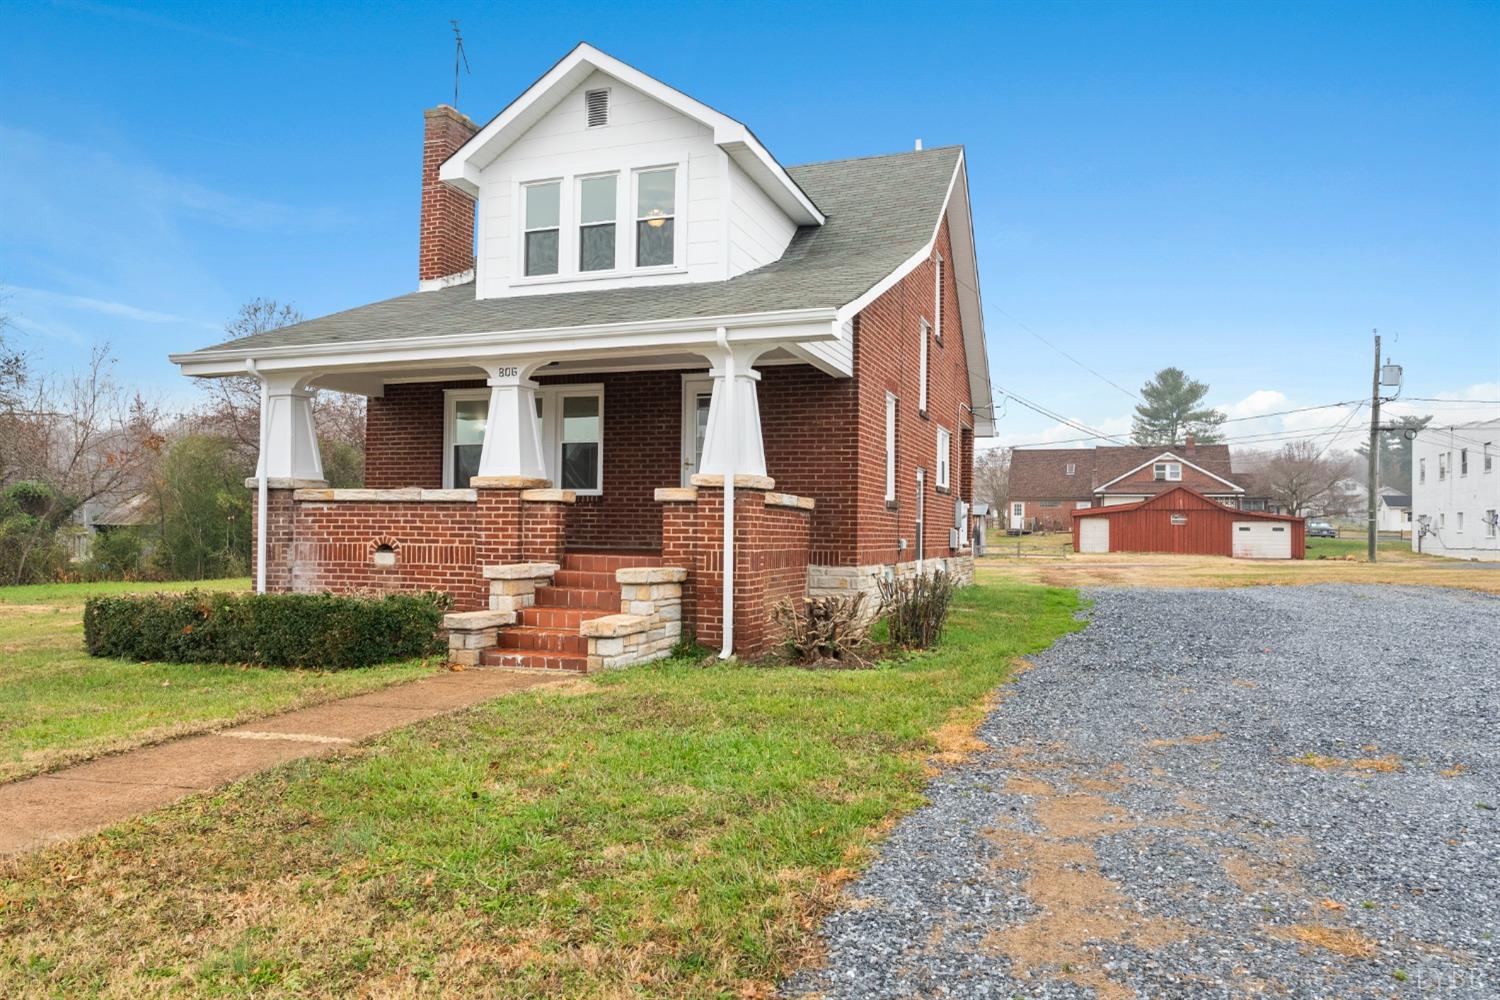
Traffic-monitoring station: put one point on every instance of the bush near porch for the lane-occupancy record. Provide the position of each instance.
(327, 631)
(666, 830)
(59, 705)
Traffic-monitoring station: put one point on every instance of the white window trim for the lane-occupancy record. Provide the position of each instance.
(926, 331)
(625, 219)
(523, 230)
(551, 430)
(578, 224)
(1070, 469)
(1459, 522)
(679, 226)
(892, 410)
(937, 298)
(944, 457)
(1166, 476)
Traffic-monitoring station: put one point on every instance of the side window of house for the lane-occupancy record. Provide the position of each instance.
(1487, 459)
(890, 448)
(656, 217)
(937, 297)
(926, 335)
(1463, 461)
(1421, 470)
(543, 215)
(944, 456)
(1460, 522)
(580, 462)
(572, 432)
(596, 223)
(467, 439)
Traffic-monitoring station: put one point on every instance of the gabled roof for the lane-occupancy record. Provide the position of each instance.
(1395, 500)
(462, 168)
(882, 210)
(1160, 499)
(1042, 472)
(1168, 456)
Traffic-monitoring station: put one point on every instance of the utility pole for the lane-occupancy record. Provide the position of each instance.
(1372, 489)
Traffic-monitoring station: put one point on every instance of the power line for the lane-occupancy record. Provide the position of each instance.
(1065, 354)
(1094, 432)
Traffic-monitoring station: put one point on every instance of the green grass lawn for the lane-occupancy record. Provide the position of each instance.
(675, 830)
(59, 705)
(1339, 548)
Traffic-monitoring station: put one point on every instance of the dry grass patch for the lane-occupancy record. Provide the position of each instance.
(1339, 940)
(1381, 765)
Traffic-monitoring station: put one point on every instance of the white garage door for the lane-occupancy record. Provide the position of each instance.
(1093, 534)
(1262, 540)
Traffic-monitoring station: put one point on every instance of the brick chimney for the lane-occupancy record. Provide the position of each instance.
(1191, 447)
(446, 247)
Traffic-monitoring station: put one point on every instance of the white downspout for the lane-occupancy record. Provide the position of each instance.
(261, 499)
(727, 412)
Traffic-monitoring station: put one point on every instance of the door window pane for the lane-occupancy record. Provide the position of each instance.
(580, 442)
(701, 403)
(656, 210)
(469, 417)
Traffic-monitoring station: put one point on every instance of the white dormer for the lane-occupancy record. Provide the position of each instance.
(599, 176)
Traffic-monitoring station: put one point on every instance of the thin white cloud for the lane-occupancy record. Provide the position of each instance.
(87, 304)
(1258, 402)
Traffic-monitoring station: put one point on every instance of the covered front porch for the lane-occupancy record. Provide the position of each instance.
(482, 469)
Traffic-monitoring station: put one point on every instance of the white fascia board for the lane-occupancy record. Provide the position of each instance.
(462, 168)
(1168, 456)
(642, 337)
(970, 307)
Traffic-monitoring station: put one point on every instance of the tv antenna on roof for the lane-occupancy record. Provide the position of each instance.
(460, 58)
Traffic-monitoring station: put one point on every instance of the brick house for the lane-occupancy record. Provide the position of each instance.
(652, 381)
(1047, 484)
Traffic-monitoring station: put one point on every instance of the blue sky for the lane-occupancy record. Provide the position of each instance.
(1241, 190)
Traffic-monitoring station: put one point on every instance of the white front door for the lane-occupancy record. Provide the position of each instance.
(697, 394)
(1018, 516)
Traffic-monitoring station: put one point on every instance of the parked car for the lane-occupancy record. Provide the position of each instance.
(1321, 529)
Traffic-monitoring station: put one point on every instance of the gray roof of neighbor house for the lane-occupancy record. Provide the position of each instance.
(1396, 499)
(881, 210)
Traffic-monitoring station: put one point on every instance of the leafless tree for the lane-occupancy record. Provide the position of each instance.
(80, 438)
(992, 477)
(232, 406)
(1302, 476)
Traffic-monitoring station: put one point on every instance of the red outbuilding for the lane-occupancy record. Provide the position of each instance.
(1188, 523)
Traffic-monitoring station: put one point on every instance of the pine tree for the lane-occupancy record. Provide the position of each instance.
(1171, 411)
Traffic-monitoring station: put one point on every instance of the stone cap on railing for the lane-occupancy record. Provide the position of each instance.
(409, 494)
(741, 481)
(469, 621)
(676, 494)
(610, 626)
(790, 500)
(650, 574)
(520, 571)
(277, 483)
(509, 483)
(548, 496)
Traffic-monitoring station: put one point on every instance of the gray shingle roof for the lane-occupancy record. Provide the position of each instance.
(880, 211)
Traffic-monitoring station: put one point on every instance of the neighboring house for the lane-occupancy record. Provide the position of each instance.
(1455, 496)
(656, 302)
(1183, 521)
(1048, 484)
(1393, 511)
(108, 513)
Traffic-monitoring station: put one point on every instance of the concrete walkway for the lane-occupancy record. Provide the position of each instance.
(79, 800)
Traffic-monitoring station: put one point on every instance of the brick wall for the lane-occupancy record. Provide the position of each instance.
(404, 435)
(446, 242)
(806, 418)
(887, 342)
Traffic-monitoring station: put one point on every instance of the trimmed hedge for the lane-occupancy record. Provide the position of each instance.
(322, 631)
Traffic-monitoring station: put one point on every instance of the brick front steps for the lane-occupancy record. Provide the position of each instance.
(546, 634)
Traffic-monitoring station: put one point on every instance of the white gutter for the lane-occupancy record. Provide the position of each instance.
(260, 487)
(727, 412)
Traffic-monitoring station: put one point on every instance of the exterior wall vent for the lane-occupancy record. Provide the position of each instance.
(597, 104)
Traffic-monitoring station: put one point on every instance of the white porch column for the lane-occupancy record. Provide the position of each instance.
(733, 434)
(512, 434)
(289, 436)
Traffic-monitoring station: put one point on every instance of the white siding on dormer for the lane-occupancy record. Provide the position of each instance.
(726, 223)
(758, 231)
(641, 133)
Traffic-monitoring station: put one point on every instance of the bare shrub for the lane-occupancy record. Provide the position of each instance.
(820, 630)
(916, 608)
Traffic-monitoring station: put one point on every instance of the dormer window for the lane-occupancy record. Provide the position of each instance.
(543, 213)
(656, 217)
(596, 223)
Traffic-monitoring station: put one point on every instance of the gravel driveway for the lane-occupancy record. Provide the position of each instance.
(1290, 792)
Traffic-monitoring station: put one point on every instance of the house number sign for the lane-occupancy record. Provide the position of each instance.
(507, 371)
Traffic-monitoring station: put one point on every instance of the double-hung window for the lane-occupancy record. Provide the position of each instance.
(1442, 466)
(1421, 470)
(1463, 461)
(926, 331)
(543, 216)
(571, 419)
(937, 299)
(944, 456)
(890, 448)
(656, 217)
(1167, 471)
(596, 222)
(580, 440)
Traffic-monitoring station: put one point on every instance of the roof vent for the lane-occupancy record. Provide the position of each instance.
(597, 103)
